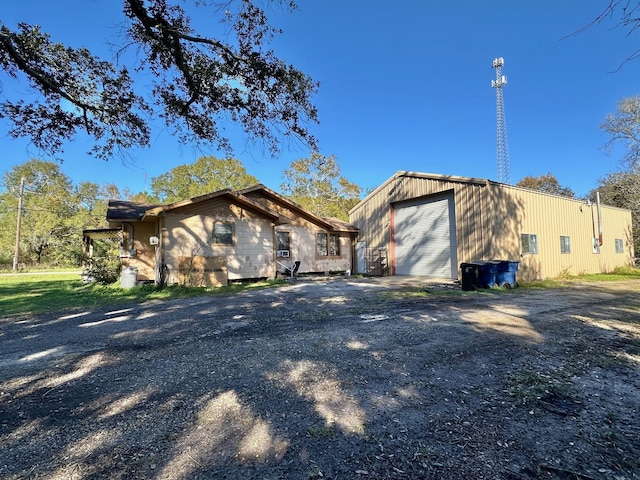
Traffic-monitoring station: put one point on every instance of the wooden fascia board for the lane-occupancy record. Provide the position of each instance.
(291, 205)
(233, 196)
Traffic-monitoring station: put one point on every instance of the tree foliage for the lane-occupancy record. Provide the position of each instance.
(317, 185)
(622, 189)
(546, 183)
(623, 126)
(53, 215)
(201, 82)
(207, 174)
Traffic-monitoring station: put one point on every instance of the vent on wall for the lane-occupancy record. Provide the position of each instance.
(283, 253)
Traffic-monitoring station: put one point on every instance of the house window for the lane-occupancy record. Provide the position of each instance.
(619, 245)
(223, 233)
(283, 241)
(328, 244)
(529, 243)
(565, 244)
(334, 245)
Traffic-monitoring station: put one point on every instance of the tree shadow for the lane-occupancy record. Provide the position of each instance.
(271, 385)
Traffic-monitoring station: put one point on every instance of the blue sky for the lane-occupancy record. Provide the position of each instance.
(404, 85)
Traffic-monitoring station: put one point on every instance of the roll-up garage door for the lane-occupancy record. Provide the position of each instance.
(425, 237)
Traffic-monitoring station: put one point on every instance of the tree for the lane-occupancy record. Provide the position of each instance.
(200, 82)
(623, 125)
(547, 183)
(316, 184)
(206, 175)
(48, 209)
(627, 13)
(622, 189)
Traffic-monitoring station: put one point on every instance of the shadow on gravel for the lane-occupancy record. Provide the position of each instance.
(346, 382)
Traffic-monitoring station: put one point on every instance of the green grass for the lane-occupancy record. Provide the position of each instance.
(53, 291)
(620, 274)
(529, 385)
(38, 293)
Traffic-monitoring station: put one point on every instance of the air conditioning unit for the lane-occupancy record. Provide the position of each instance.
(283, 253)
(153, 240)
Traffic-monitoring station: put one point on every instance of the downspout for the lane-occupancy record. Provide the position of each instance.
(600, 238)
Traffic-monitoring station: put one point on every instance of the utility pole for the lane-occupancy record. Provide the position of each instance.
(16, 252)
(503, 148)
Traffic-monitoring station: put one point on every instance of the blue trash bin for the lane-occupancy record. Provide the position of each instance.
(506, 273)
(487, 274)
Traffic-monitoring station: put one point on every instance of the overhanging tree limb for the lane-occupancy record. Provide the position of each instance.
(201, 83)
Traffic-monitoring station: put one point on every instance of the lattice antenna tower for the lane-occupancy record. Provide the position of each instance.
(502, 145)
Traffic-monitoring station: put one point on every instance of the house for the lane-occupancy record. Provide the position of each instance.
(427, 225)
(228, 235)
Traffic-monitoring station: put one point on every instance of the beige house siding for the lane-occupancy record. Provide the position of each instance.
(303, 248)
(185, 232)
(189, 233)
(144, 256)
(490, 218)
(303, 232)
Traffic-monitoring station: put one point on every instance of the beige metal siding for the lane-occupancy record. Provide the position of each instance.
(490, 218)
(471, 201)
(549, 217)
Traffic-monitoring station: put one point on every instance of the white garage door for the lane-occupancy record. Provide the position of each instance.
(425, 237)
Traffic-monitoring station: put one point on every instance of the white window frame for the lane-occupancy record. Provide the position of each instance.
(619, 245)
(530, 241)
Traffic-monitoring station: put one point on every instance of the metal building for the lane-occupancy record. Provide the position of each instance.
(429, 224)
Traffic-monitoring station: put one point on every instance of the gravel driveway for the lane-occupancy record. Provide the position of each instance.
(342, 379)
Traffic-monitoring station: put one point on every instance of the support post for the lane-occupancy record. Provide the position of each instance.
(16, 252)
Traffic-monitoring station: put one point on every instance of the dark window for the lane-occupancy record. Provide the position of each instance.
(565, 244)
(321, 245)
(283, 240)
(223, 233)
(328, 244)
(529, 243)
(334, 245)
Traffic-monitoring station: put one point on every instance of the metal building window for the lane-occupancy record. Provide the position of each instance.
(619, 245)
(565, 244)
(223, 233)
(529, 242)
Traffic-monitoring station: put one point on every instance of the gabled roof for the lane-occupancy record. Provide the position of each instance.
(121, 210)
(430, 176)
(328, 222)
(234, 196)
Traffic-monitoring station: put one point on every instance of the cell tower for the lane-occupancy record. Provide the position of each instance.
(502, 146)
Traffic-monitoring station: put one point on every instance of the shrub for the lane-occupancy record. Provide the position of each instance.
(104, 270)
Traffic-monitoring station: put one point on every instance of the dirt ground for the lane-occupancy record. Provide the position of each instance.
(341, 379)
